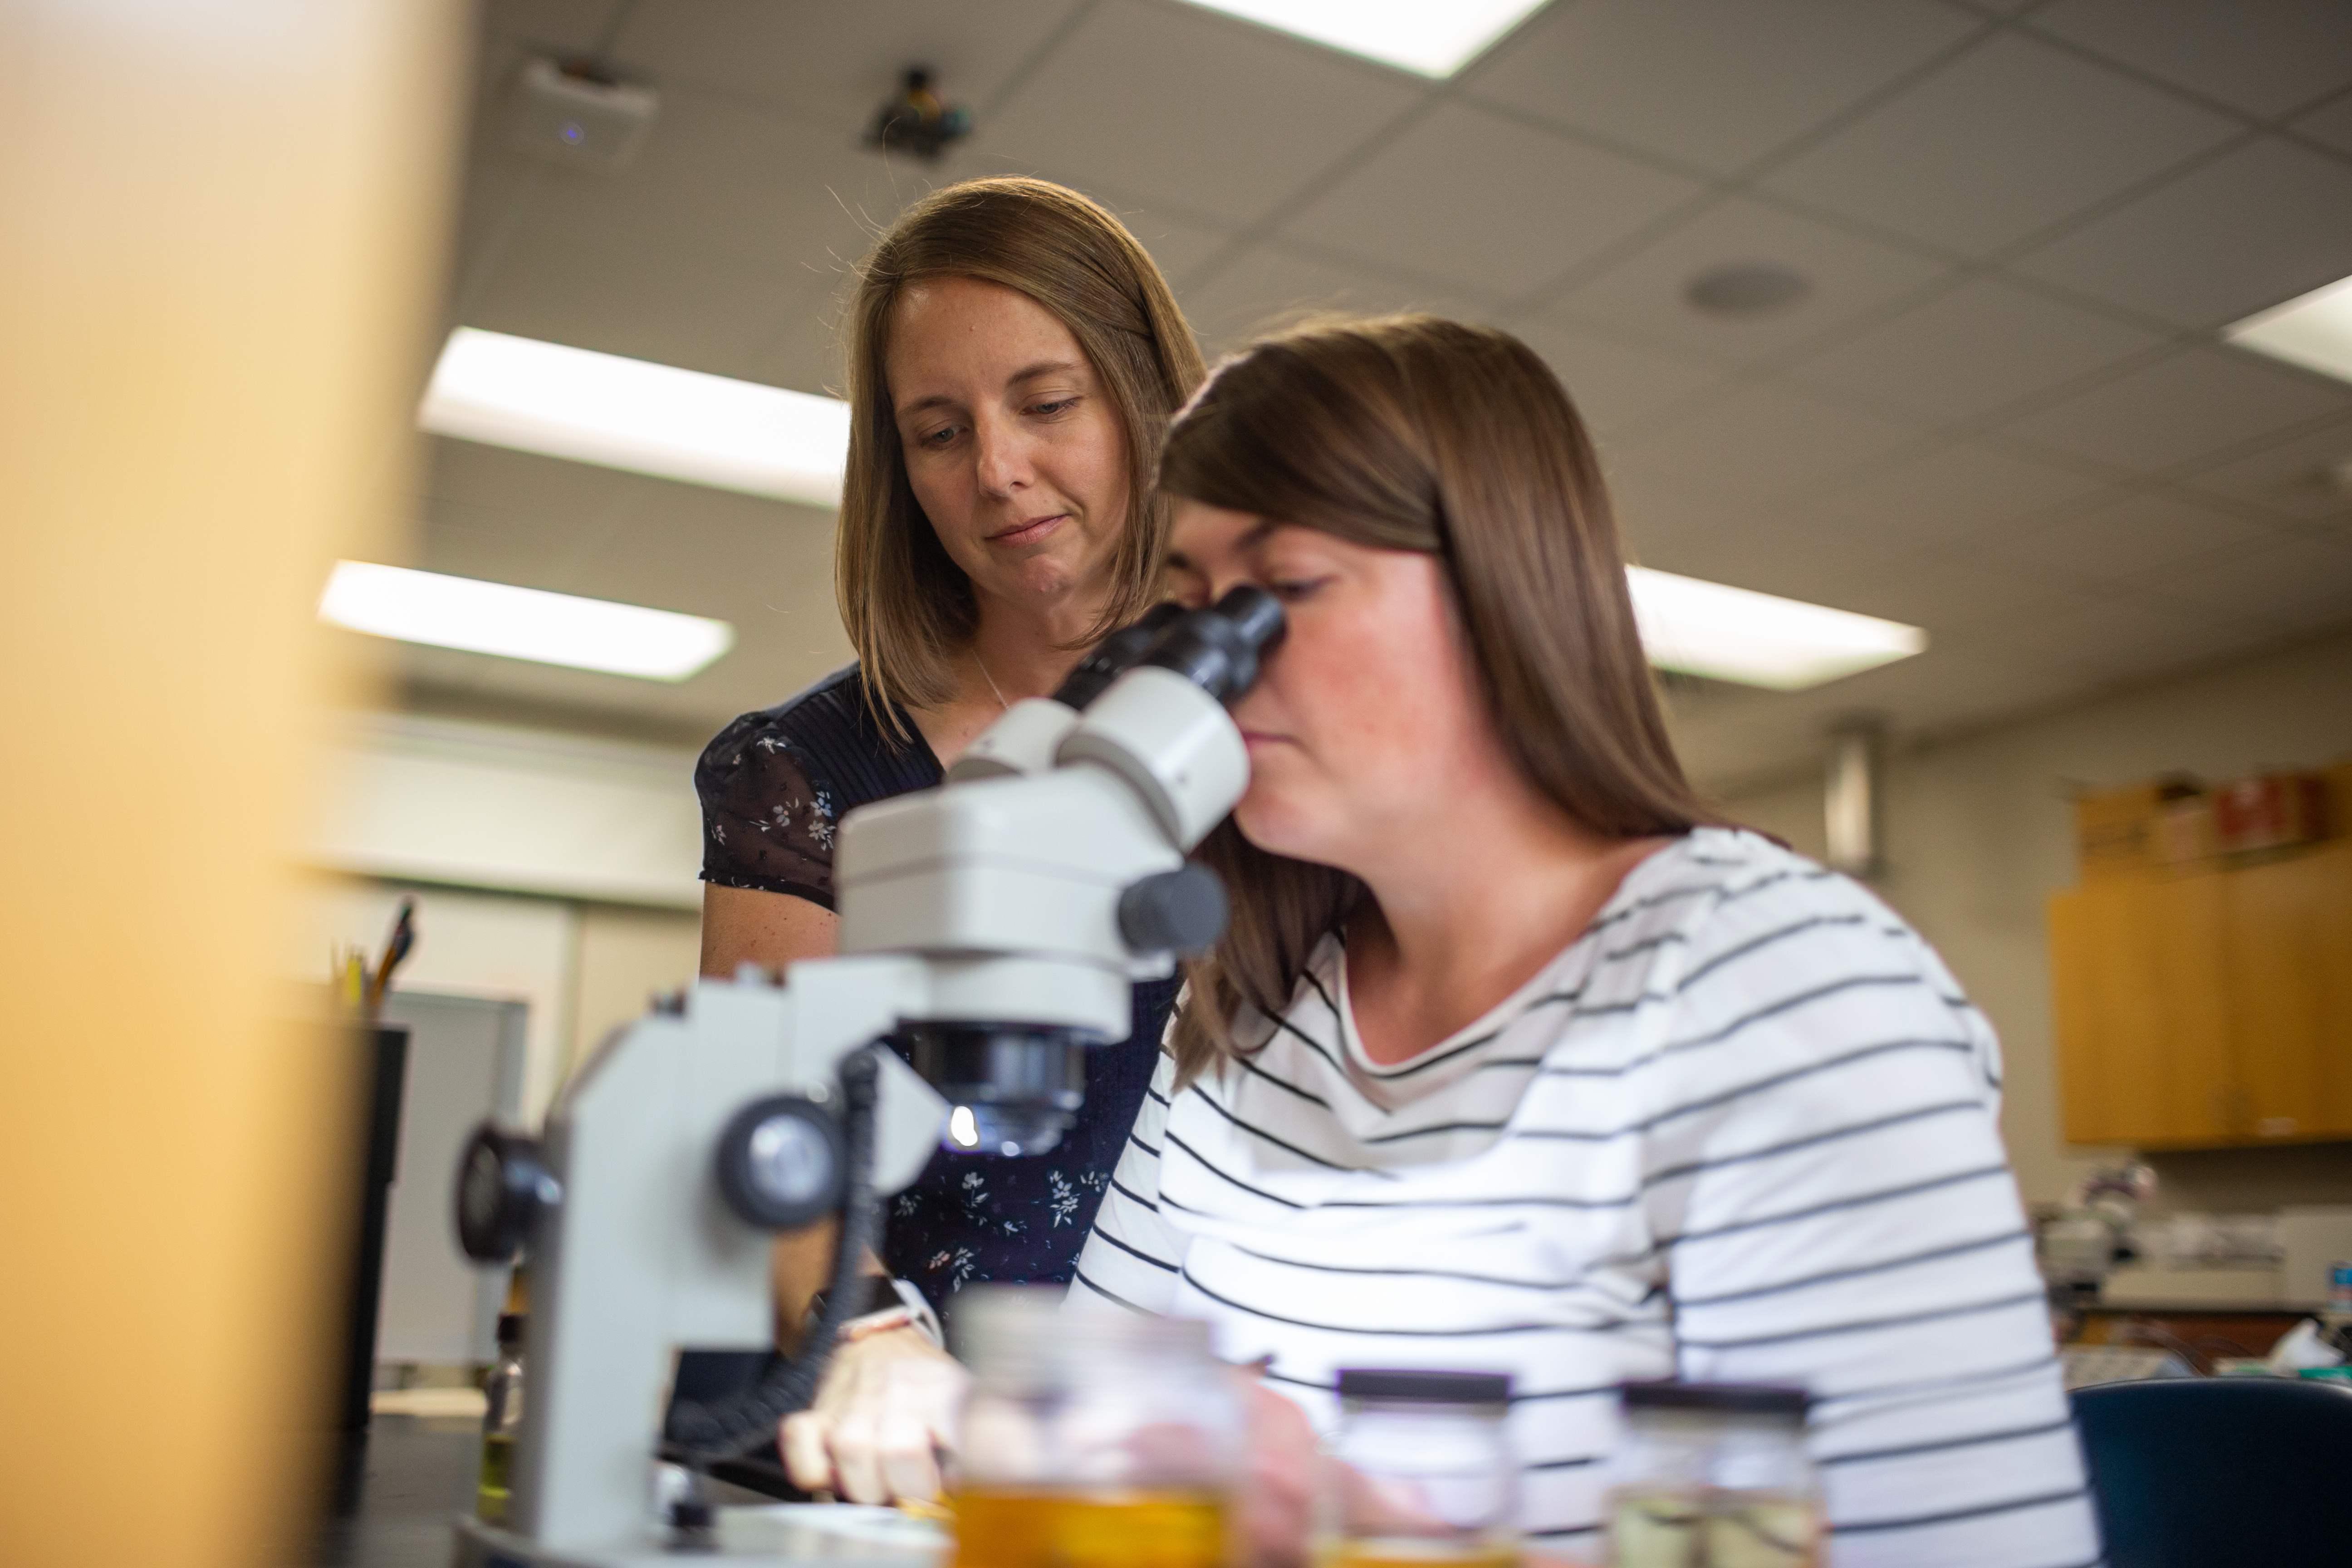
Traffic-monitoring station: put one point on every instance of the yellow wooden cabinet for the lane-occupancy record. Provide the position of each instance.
(2208, 1008)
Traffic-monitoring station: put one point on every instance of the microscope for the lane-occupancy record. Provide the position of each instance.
(991, 928)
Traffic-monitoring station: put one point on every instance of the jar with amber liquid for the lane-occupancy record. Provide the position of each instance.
(1714, 1476)
(1419, 1473)
(1091, 1440)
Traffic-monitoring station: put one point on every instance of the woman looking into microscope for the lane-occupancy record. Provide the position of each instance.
(1511, 1057)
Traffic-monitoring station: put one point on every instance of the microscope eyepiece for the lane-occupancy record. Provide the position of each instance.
(1115, 655)
(1218, 649)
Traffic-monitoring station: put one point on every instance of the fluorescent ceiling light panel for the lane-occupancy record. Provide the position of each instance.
(2314, 331)
(520, 622)
(1758, 639)
(631, 413)
(1429, 38)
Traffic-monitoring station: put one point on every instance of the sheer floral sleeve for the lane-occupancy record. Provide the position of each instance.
(768, 813)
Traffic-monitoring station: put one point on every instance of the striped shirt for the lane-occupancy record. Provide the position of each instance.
(1741, 1129)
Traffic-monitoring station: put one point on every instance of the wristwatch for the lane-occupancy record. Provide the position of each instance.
(888, 1304)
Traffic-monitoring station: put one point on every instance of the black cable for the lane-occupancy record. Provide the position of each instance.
(719, 1430)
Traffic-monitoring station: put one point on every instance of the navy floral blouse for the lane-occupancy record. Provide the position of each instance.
(773, 786)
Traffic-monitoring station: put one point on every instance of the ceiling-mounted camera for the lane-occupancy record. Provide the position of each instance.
(917, 119)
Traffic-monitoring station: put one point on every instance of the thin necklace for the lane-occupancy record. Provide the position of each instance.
(993, 689)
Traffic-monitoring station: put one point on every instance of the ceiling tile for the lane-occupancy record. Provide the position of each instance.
(2011, 138)
(493, 195)
(1762, 442)
(1946, 591)
(1821, 560)
(1271, 285)
(1168, 104)
(2291, 585)
(2306, 477)
(1668, 511)
(778, 558)
(2197, 403)
(731, 224)
(1642, 294)
(1486, 202)
(488, 553)
(2264, 59)
(2118, 540)
(1714, 83)
(1955, 493)
(2260, 224)
(2331, 123)
(562, 24)
(1616, 387)
(805, 351)
(835, 65)
(1181, 249)
(2112, 633)
(547, 501)
(1971, 350)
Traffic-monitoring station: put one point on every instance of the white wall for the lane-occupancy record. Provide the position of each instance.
(1979, 833)
(627, 957)
(440, 800)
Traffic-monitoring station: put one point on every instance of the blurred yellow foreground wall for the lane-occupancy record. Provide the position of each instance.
(217, 241)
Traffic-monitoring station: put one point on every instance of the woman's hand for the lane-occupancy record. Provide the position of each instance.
(1278, 1497)
(884, 1413)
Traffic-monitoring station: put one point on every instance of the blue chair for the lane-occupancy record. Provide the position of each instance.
(2214, 1472)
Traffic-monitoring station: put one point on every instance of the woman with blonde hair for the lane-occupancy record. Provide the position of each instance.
(1514, 1059)
(1014, 356)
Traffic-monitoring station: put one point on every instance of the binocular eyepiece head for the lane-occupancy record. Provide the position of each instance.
(1017, 1089)
(1217, 647)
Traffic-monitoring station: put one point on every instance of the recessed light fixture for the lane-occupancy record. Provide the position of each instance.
(631, 413)
(2314, 330)
(520, 622)
(1424, 36)
(1747, 289)
(1758, 639)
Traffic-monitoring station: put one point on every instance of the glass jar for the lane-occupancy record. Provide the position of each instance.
(1714, 1476)
(1091, 1440)
(1422, 1472)
(501, 1422)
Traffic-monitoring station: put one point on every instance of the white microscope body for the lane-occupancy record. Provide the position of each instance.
(996, 922)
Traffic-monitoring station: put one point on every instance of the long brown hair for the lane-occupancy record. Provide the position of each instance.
(1412, 433)
(908, 606)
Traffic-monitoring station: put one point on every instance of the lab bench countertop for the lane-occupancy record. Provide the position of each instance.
(413, 1476)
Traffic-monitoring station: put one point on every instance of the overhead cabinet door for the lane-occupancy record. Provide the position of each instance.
(2142, 1018)
(2289, 926)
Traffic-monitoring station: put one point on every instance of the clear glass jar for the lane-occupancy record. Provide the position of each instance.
(1424, 1473)
(1714, 1476)
(1091, 1440)
(501, 1422)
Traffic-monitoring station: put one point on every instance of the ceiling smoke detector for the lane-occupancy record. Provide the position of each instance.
(580, 113)
(1745, 289)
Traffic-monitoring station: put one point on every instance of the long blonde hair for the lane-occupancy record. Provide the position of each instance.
(909, 608)
(1412, 433)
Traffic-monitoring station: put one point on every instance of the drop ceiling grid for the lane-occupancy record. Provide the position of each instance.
(1055, 77)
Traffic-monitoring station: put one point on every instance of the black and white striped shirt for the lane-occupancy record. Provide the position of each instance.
(1741, 1129)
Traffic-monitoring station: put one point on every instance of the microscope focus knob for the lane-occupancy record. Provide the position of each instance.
(783, 1163)
(503, 1186)
(1181, 912)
